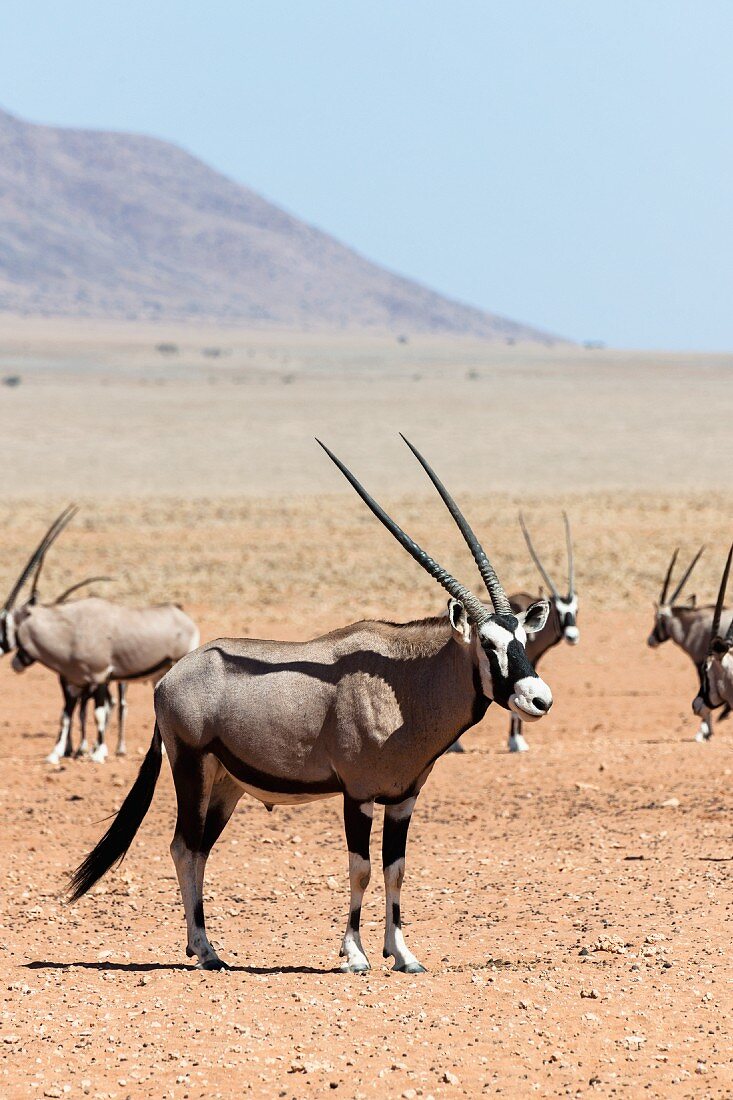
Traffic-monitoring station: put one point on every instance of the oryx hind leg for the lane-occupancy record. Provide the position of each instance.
(358, 826)
(63, 742)
(121, 718)
(193, 776)
(517, 742)
(84, 698)
(101, 714)
(394, 842)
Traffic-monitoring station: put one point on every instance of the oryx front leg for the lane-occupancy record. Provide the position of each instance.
(193, 777)
(358, 827)
(394, 841)
(63, 742)
(517, 742)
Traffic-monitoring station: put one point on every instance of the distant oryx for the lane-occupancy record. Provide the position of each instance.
(90, 643)
(689, 626)
(561, 623)
(363, 712)
(716, 668)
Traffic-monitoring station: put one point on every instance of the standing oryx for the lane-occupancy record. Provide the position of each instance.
(561, 623)
(716, 668)
(363, 712)
(90, 643)
(689, 626)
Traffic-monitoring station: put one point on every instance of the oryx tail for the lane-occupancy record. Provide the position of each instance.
(121, 833)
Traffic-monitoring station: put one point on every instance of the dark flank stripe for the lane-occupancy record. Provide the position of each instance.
(271, 784)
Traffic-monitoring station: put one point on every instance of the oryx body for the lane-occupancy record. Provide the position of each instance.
(93, 642)
(689, 627)
(90, 643)
(362, 713)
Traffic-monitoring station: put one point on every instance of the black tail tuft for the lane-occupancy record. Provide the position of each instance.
(121, 833)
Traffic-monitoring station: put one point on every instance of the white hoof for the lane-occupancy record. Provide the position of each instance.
(518, 744)
(121, 750)
(100, 754)
(702, 737)
(53, 757)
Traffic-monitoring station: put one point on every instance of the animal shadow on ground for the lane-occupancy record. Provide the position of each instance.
(147, 967)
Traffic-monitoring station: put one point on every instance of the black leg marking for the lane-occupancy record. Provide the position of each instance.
(394, 842)
(358, 827)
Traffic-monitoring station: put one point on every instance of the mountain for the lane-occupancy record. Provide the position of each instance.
(97, 224)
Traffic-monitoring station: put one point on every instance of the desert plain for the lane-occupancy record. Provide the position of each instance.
(573, 904)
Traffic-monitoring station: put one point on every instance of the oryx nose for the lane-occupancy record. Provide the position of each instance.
(541, 704)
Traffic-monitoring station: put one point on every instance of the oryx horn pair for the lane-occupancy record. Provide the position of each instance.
(37, 558)
(475, 609)
(664, 599)
(35, 562)
(720, 645)
(535, 557)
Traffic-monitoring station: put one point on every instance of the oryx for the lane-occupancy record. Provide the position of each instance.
(689, 626)
(90, 643)
(561, 625)
(716, 668)
(363, 712)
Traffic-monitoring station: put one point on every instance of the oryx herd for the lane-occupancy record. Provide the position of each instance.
(362, 713)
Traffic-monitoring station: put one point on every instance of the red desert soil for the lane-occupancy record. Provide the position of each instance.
(572, 905)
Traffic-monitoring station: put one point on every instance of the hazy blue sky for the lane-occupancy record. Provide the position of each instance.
(565, 162)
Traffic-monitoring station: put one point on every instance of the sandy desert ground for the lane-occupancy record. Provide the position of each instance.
(573, 905)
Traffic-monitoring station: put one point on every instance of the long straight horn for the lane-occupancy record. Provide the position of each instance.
(571, 561)
(665, 586)
(721, 599)
(79, 584)
(55, 529)
(498, 596)
(686, 575)
(60, 524)
(475, 610)
(535, 557)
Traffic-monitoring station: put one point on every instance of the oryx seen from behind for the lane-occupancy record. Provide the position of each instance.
(90, 643)
(362, 713)
(689, 626)
(716, 668)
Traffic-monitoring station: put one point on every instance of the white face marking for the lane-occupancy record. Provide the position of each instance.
(528, 692)
(500, 637)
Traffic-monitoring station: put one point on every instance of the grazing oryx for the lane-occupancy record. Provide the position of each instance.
(716, 668)
(90, 643)
(363, 712)
(689, 626)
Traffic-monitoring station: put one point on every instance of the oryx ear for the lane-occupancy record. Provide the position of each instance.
(535, 617)
(459, 622)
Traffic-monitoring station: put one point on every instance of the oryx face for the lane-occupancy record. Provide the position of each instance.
(507, 676)
(7, 632)
(662, 631)
(566, 609)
